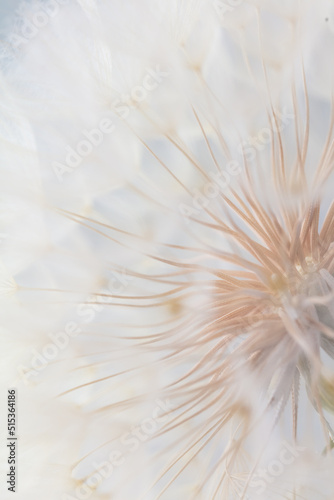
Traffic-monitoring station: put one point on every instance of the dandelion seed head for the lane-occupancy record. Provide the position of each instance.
(191, 245)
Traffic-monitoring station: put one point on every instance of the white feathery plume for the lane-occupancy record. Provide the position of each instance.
(167, 260)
